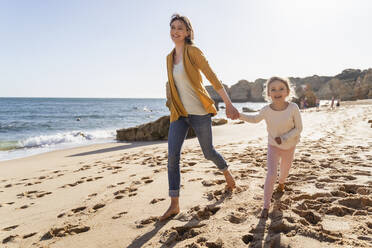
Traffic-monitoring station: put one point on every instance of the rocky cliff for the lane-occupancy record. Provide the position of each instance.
(350, 84)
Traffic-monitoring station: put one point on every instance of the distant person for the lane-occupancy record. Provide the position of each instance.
(305, 103)
(317, 103)
(338, 102)
(302, 103)
(332, 102)
(284, 126)
(190, 106)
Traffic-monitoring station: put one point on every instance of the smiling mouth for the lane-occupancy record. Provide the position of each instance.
(277, 97)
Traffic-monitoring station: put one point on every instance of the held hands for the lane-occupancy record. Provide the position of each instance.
(232, 112)
(278, 140)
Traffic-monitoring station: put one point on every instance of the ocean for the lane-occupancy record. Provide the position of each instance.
(30, 126)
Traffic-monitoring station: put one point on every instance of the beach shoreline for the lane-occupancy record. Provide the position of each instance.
(109, 194)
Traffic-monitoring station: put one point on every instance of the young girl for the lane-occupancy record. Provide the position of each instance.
(284, 125)
(190, 106)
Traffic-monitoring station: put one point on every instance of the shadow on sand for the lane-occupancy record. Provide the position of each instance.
(118, 148)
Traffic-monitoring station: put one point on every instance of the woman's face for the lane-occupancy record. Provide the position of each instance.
(178, 31)
(278, 91)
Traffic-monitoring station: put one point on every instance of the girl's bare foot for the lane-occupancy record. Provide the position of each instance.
(280, 187)
(264, 213)
(229, 180)
(172, 211)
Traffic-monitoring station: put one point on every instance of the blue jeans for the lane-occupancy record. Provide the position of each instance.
(202, 125)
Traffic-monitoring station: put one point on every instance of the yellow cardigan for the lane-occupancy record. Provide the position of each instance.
(194, 61)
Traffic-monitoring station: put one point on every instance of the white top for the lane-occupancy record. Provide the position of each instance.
(286, 124)
(188, 96)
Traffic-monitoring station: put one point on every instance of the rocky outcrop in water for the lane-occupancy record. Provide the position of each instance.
(156, 130)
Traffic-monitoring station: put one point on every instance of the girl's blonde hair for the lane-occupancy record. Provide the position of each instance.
(286, 81)
(189, 39)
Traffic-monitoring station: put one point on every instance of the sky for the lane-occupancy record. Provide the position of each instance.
(91, 48)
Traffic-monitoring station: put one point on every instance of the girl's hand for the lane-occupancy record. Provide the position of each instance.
(278, 140)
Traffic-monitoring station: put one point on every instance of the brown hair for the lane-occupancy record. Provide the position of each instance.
(189, 39)
(290, 89)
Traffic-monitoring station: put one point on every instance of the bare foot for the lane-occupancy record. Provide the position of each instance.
(229, 180)
(172, 211)
(280, 187)
(264, 213)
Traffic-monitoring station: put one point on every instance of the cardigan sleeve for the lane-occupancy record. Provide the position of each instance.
(202, 63)
(296, 131)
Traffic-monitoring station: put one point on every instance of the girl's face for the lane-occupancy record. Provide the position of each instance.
(278, 91)
(178, 31)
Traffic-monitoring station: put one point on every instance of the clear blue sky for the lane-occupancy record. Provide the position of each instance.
(90, 48)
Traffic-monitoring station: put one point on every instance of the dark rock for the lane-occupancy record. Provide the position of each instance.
(217, 122)
(156, 130)
(246, 109)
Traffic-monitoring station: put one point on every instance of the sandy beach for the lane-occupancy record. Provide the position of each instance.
(110, 195)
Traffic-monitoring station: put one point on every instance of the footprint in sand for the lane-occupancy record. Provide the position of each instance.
(206, 213)
(119, 194)
(248, 238)
(310, 216)
(147, 180)
(10, 238)
(195, 179)
(144, 222)
(98, 206)
(155, 200)
(358, 203)
(118, 215)
(9, 228)
(79, 209)
(180, 233)
(208, 183)
(26, 236)
(33, 194)
(186, 170)
(235, 218)
(64, 231)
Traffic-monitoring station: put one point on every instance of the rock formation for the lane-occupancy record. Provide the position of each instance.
(156, 130)
(350, 84)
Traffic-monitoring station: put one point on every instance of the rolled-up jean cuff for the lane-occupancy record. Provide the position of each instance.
(224, 168)
(174, 193)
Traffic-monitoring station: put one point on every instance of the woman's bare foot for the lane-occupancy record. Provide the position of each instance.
(173, 209)
(264, 213)
(280, 187)
(229, 180)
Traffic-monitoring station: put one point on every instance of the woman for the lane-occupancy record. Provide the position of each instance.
(190, 105)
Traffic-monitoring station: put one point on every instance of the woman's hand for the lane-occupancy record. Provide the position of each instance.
(278, 140)
(232, 112)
